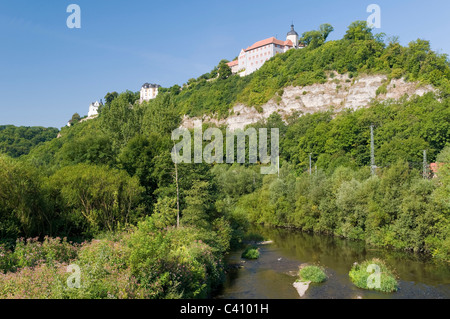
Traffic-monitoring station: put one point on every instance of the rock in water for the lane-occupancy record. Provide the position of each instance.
(301, 287)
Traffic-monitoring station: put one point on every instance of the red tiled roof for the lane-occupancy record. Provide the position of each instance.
(436, 166)
(233, 63)
(271, 40)
(288, 43)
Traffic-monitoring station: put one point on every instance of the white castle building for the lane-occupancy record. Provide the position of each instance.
(252, 58)
(149, 92)
(93, 108)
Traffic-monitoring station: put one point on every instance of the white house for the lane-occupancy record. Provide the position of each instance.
(252, 58)
(149, 92)
(93, 108)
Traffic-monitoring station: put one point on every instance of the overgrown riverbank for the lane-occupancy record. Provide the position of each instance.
(397, 208)
(144, 262)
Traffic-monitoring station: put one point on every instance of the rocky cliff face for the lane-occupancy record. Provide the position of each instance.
(340, 92)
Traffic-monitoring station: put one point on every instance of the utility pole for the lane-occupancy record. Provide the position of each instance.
(178, 192)
(310, 171)
(178, 196)
(278, 163)
(372, 151)
(425, 164)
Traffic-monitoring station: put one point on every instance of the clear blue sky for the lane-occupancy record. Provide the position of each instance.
(48, 71)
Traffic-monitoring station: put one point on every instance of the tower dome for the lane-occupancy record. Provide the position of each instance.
(292, 32)
(293, 36)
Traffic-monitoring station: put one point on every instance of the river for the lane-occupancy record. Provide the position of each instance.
(272, 275)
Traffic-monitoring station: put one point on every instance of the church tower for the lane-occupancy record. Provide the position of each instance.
(293, 36)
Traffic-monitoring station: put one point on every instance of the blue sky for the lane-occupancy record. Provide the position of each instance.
(48, 71)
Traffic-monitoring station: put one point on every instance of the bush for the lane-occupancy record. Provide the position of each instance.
(397, 73)
(23, 207)
(47, 281)
(100, 196)
(312, 273)
(6, 260)
(106, 273)
(144, 262)
(251, 252)
(382, 89)
(359, 276)
(31, 252)
(41, 282)
(174, 263)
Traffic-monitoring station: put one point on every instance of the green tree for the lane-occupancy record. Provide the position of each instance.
(23, 206)
(224, 70)
(165, 212)
(109, 97)
(358, 30)
(198, 205)
(316, 38)
(139, 158)
(103, 196)
(161, 116)
(325, 30)
(75, 118)
(92, 146)
(312, 39)
(444, 155)
(18, 141)
(122, 120)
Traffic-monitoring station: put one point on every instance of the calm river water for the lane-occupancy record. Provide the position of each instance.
(272, 275)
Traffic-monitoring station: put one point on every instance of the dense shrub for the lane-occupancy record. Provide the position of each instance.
(102, 197)
(142, 263)
(32, 252)
(6, 259)
(251, 252)
(43, 281)
(24, 210)
(312, 273)
(174, 262)
(359, 275)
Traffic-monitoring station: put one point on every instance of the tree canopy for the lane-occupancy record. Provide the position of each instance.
(17, 141)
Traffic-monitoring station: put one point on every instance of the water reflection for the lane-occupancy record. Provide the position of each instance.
(271, 276)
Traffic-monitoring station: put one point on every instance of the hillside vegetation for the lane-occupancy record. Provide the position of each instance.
(17, 141)
(359, 52)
